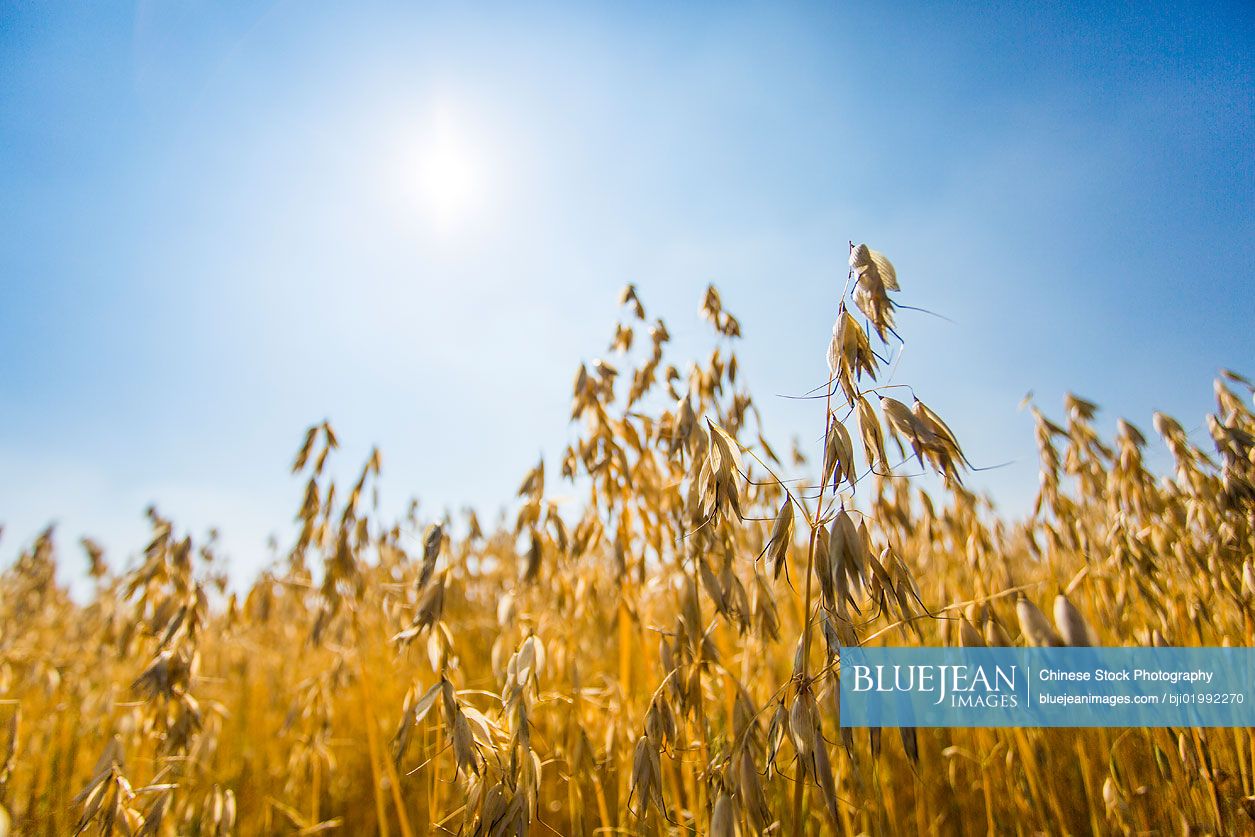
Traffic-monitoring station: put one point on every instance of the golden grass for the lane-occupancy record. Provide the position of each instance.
(659, 657)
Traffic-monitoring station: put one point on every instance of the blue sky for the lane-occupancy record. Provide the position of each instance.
(217, 226)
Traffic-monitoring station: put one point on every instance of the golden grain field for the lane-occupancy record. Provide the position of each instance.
(661, 655)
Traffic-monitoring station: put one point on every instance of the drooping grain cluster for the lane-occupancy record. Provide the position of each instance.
(661, 655)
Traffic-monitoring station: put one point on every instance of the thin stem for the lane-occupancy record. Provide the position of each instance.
(799, 792)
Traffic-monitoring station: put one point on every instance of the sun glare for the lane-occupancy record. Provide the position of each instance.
(450, 176)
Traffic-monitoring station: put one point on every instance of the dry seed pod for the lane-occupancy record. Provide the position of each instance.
(910, 744)
(763, 605)
(968, 635)
(832, 637)
(529, 661)
(432, 541)
(493, 808)
(775, 735)
(660, 726)
(430, 609)
(873, 437)
(804, 726)
(835, 354)
(834, 563)
(1072, 626)
(506, 609)
(464, 745)
(876, 275)
(823, 570)
(825, 779)
(996, 636)
(646, 777)
(874, 267)
(905, 426)
(847, 551)
(531, 563)
(876, 566)
(711, 585)
(1114, 801)
(1034, 626)
(838, 454)
(749, 790)
(781, 537)
(941, 443)
(723, 818)
(850, 355)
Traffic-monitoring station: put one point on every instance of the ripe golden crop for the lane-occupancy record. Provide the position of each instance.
(662, 656)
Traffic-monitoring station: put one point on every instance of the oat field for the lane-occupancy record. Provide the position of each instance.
(661, 655)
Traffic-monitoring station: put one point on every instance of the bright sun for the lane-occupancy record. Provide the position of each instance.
(449, 176)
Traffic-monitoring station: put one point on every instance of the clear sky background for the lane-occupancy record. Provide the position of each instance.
(220, 222)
